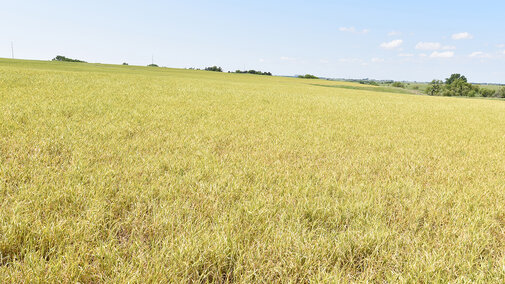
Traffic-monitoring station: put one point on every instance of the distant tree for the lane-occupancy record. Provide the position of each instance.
(308, 76)
(214, 68)
(461, 87)
(124, 63)
(454, 77)
(366, 82)
(253, 72)
(457, 85)
(398, 85)
(65, 59)
(435, 88)
(152, 65)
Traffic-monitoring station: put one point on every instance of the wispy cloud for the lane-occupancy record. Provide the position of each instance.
(463, 35)
(433, 46)
(444, 54)
(428, 45)
(353, 30)
(346, 29)
(285, 58)
(394, 33)
(377, 60)
(502, 45)
(448, 47)
(479, 54)
(262, 60)
(350, 60)
(392, 44)
(405, 55)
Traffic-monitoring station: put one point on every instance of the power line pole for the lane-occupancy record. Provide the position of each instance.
(12, 49)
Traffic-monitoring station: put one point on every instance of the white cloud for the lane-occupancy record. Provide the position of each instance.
(504, 52)
(433, 46)
(285, 58)
(377, 60)
(353, 30)
(392, 44)
(479, 54)
(324, 61)
(464, 35)
(406, 55)
(428, 45)
(444, 54)
(448, 47)
(262, 60)
(476, 53)
(394, 33)
(346, 29)
(350, 60)
(500, 45)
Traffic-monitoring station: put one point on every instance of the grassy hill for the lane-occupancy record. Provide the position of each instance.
(137, 174)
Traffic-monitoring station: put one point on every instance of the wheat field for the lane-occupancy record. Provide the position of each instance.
(141, 174)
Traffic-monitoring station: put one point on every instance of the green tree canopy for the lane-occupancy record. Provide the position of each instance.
(455, 77)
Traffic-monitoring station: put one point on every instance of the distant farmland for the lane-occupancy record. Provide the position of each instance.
(136, 174)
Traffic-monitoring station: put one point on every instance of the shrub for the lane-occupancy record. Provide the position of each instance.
(487, 92)
(398, 85)
(124, 63)
(500, 93)
(372, 83)
(153, 65)
(448, 93)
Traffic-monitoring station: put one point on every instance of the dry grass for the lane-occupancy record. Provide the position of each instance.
(133, 174)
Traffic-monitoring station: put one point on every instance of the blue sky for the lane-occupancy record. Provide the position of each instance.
(400, 40)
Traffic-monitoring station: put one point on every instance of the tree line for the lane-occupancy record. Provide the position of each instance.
(219, 69)
(66, 59)
(307, 76)
(253, 72)
(457, 85)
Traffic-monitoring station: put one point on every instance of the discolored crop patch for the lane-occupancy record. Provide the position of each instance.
(132, 174)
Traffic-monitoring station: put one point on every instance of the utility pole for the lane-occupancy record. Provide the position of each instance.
(152, 59)
(12, 49)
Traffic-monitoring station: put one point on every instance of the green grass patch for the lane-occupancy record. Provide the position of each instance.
(367, 88)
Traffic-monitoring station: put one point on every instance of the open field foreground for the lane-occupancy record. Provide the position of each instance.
(124, 173)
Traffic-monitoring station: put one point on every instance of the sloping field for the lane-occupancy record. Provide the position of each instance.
(123, 173)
